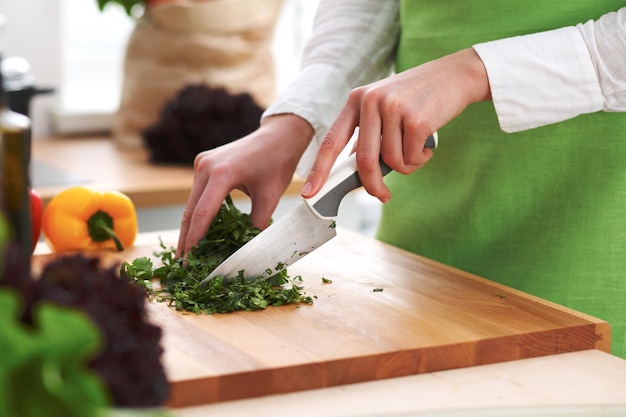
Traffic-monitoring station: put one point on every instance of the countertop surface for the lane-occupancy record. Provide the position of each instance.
(58, 163)
(587, 382)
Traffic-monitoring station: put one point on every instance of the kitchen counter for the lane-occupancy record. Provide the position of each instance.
(493, 381)
(589, 383)
(58, 163)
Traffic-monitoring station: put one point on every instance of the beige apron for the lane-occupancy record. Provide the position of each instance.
(222, 43)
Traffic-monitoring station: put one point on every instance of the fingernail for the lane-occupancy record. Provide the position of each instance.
(307, 188)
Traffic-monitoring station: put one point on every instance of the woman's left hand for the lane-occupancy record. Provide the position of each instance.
(396, 115)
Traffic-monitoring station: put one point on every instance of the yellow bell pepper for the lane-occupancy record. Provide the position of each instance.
(82, 218)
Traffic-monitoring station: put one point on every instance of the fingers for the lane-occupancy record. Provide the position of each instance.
(368, 152)
(196, 223)
(403, 146)
(333, 143)
(403, 132)
(192, 200)
(263, 208)
(388, 128)
(414, 152)
(204, 202)
(251, 164)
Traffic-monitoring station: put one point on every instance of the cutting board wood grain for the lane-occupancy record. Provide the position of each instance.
(387, 313)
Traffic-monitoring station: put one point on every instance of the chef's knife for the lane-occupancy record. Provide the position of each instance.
(302, 230)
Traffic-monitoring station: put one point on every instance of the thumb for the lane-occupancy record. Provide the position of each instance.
(261, 213)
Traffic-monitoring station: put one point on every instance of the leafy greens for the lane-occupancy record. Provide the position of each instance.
(179, 280)
(44, 370)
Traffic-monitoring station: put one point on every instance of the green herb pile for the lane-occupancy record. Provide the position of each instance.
(128, 5)
(179, 280)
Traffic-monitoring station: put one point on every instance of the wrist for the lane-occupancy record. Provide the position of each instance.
(294, 127)
(476, 73)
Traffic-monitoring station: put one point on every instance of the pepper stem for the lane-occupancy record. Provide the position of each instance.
(100, 227)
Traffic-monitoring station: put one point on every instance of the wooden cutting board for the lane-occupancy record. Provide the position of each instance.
(387, 313)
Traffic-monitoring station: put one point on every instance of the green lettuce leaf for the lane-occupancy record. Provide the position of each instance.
(43, 371)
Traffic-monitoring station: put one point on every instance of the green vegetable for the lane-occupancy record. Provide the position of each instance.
(128, 5)
(179, 281)
(45, 366)
(43, 371)
(5, 232)
(377, 290)
(327, 281)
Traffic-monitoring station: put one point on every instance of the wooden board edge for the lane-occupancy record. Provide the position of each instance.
(603, 330)
(385, 365)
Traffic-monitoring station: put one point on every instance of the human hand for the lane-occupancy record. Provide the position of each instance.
(260, 164)
(396, 115)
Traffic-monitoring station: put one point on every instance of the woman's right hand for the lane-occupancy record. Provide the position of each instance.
(396, 115)
(260, 164)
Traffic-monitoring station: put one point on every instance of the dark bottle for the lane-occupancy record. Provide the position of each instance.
(15, 178)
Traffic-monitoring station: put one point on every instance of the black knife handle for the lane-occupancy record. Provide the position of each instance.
(327, 204)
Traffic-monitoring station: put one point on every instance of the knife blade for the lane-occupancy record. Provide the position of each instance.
(302, 230)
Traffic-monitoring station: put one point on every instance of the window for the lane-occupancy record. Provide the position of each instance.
(93, 44)
(77, 49)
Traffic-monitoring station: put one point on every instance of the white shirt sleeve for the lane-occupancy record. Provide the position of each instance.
(353, 42)
(556, 75)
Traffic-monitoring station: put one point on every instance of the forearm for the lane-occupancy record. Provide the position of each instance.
(352, 43)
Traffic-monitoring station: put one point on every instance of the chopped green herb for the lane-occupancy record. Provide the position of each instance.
(501, 295)
(180, 281)
(327, 281)
(333, 225)
(377, 290)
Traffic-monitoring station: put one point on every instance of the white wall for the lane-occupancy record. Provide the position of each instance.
(34, 33)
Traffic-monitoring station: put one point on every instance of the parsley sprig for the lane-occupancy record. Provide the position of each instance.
(179, 282)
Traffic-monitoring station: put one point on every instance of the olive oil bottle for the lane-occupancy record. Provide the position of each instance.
(15, 175)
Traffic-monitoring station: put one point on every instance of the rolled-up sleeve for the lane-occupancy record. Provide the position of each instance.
(352, 43)
(548, 77)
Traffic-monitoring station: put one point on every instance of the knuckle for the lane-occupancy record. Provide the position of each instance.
(210, 163)
(221, 170)
(328, 143)
(392, 104)
(186, 218)
(417, 126)
(391, 158)
(199, 214)
(331, 145)
(366, 162)
(356, 94)
(200, 161)
(368, 96)
(406, 169)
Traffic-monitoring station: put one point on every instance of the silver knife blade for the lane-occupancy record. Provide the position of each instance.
(284, 242)
(299, 232)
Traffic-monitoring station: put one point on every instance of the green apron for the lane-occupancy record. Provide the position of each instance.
(544, 210)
